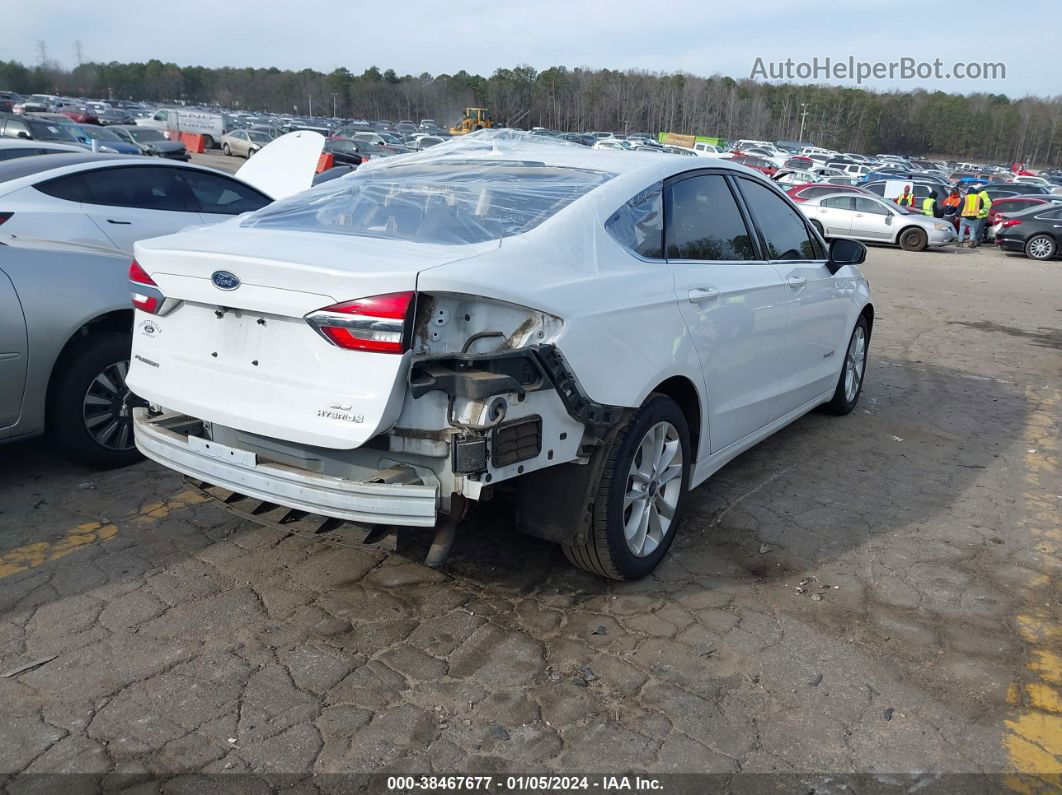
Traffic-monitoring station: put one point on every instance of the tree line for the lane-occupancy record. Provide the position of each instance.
(979, 127)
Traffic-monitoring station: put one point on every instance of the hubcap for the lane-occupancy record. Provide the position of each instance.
(107, 408)
(654, 484)
(1040, 248)
(854, 363)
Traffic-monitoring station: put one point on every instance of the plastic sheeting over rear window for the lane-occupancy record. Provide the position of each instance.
(459, 192)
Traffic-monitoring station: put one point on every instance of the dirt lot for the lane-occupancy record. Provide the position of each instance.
(873, 594)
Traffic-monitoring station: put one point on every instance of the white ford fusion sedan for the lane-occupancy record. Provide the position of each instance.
(598, 330)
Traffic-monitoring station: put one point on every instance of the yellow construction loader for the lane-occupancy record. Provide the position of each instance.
(475, 119)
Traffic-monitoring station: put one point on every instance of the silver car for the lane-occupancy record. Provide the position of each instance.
(875, 220)
(65, 334)
(244, 143)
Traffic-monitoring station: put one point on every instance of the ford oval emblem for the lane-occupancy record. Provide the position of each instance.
(224, 280)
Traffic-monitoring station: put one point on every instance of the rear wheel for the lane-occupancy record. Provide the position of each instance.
(913, 240)
(89, 406)
(208, 142)
(639, 503)
(1040, 247)
(850, 383)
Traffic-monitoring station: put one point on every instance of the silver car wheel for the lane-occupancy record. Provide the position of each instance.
(654, 485)
(106, 410)
(854, 363)
(1040, 248)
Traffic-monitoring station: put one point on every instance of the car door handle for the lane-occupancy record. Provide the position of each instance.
(796, 282)
(699, 295)
(124, 223)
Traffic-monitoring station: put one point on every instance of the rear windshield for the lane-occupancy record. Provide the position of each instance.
(447, 202)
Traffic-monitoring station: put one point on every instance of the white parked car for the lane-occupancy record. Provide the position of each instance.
(115, 200)
(710, 150)
(843, 215)
(387, 347)
(794, 177)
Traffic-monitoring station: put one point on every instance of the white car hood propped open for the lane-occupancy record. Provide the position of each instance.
(286, 165)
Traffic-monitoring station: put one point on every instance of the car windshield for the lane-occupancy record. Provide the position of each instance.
(46, 131)
(98, 133)
(145, 135)
(448, 202)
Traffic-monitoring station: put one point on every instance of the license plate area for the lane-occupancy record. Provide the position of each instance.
(222, 452)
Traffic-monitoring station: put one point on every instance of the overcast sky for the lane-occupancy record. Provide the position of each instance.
(413, 36)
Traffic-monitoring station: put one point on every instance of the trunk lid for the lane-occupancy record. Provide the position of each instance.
(246, 357)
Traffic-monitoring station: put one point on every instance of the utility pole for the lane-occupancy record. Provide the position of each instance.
(309, 101)
(334, 107)
(803, 115)
(42, 53)
(79, 53)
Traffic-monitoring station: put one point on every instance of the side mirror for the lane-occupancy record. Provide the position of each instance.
(22, 134)
(845, 252)
(888, 219)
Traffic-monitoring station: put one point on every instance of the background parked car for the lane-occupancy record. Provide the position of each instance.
(874, 220)
(151, 142)
(1007, 205)
(1036, 232)
(813, 190)
(243, 143)
(65, 330)
(32, 129)
(115, 200)
(106, 140)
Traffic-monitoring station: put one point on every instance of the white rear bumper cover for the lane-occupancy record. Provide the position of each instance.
(356, 501)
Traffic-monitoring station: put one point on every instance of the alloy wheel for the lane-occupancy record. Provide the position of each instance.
(854, 363)
(654, 485)
(107, 408)
(1040, 248)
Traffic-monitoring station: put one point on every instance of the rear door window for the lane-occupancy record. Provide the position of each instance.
(839, 203)
(783, 228)
(704, 222)
(220, 195)
(148, 188)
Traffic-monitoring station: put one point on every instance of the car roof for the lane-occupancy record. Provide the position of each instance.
(27, 166)
(22, 171)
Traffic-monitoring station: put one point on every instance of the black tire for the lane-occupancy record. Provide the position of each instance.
(913, 239)
(606, 552)
(1044, 247)
(225, 150)
(818, 227)
(208, 142)
(66, 423)
(842, 402)
(251, 152)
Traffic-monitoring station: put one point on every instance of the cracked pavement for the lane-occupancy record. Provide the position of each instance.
(874, 594)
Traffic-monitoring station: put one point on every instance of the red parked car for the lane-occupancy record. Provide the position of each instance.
(811, 190)
(765, 167)
(79, 114)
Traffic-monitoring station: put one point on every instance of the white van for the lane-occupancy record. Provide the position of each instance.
(210, 125)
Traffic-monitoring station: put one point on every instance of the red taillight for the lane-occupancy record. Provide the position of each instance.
(145, 300)
(5, 216)
(377, 324)
(1009, 222)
